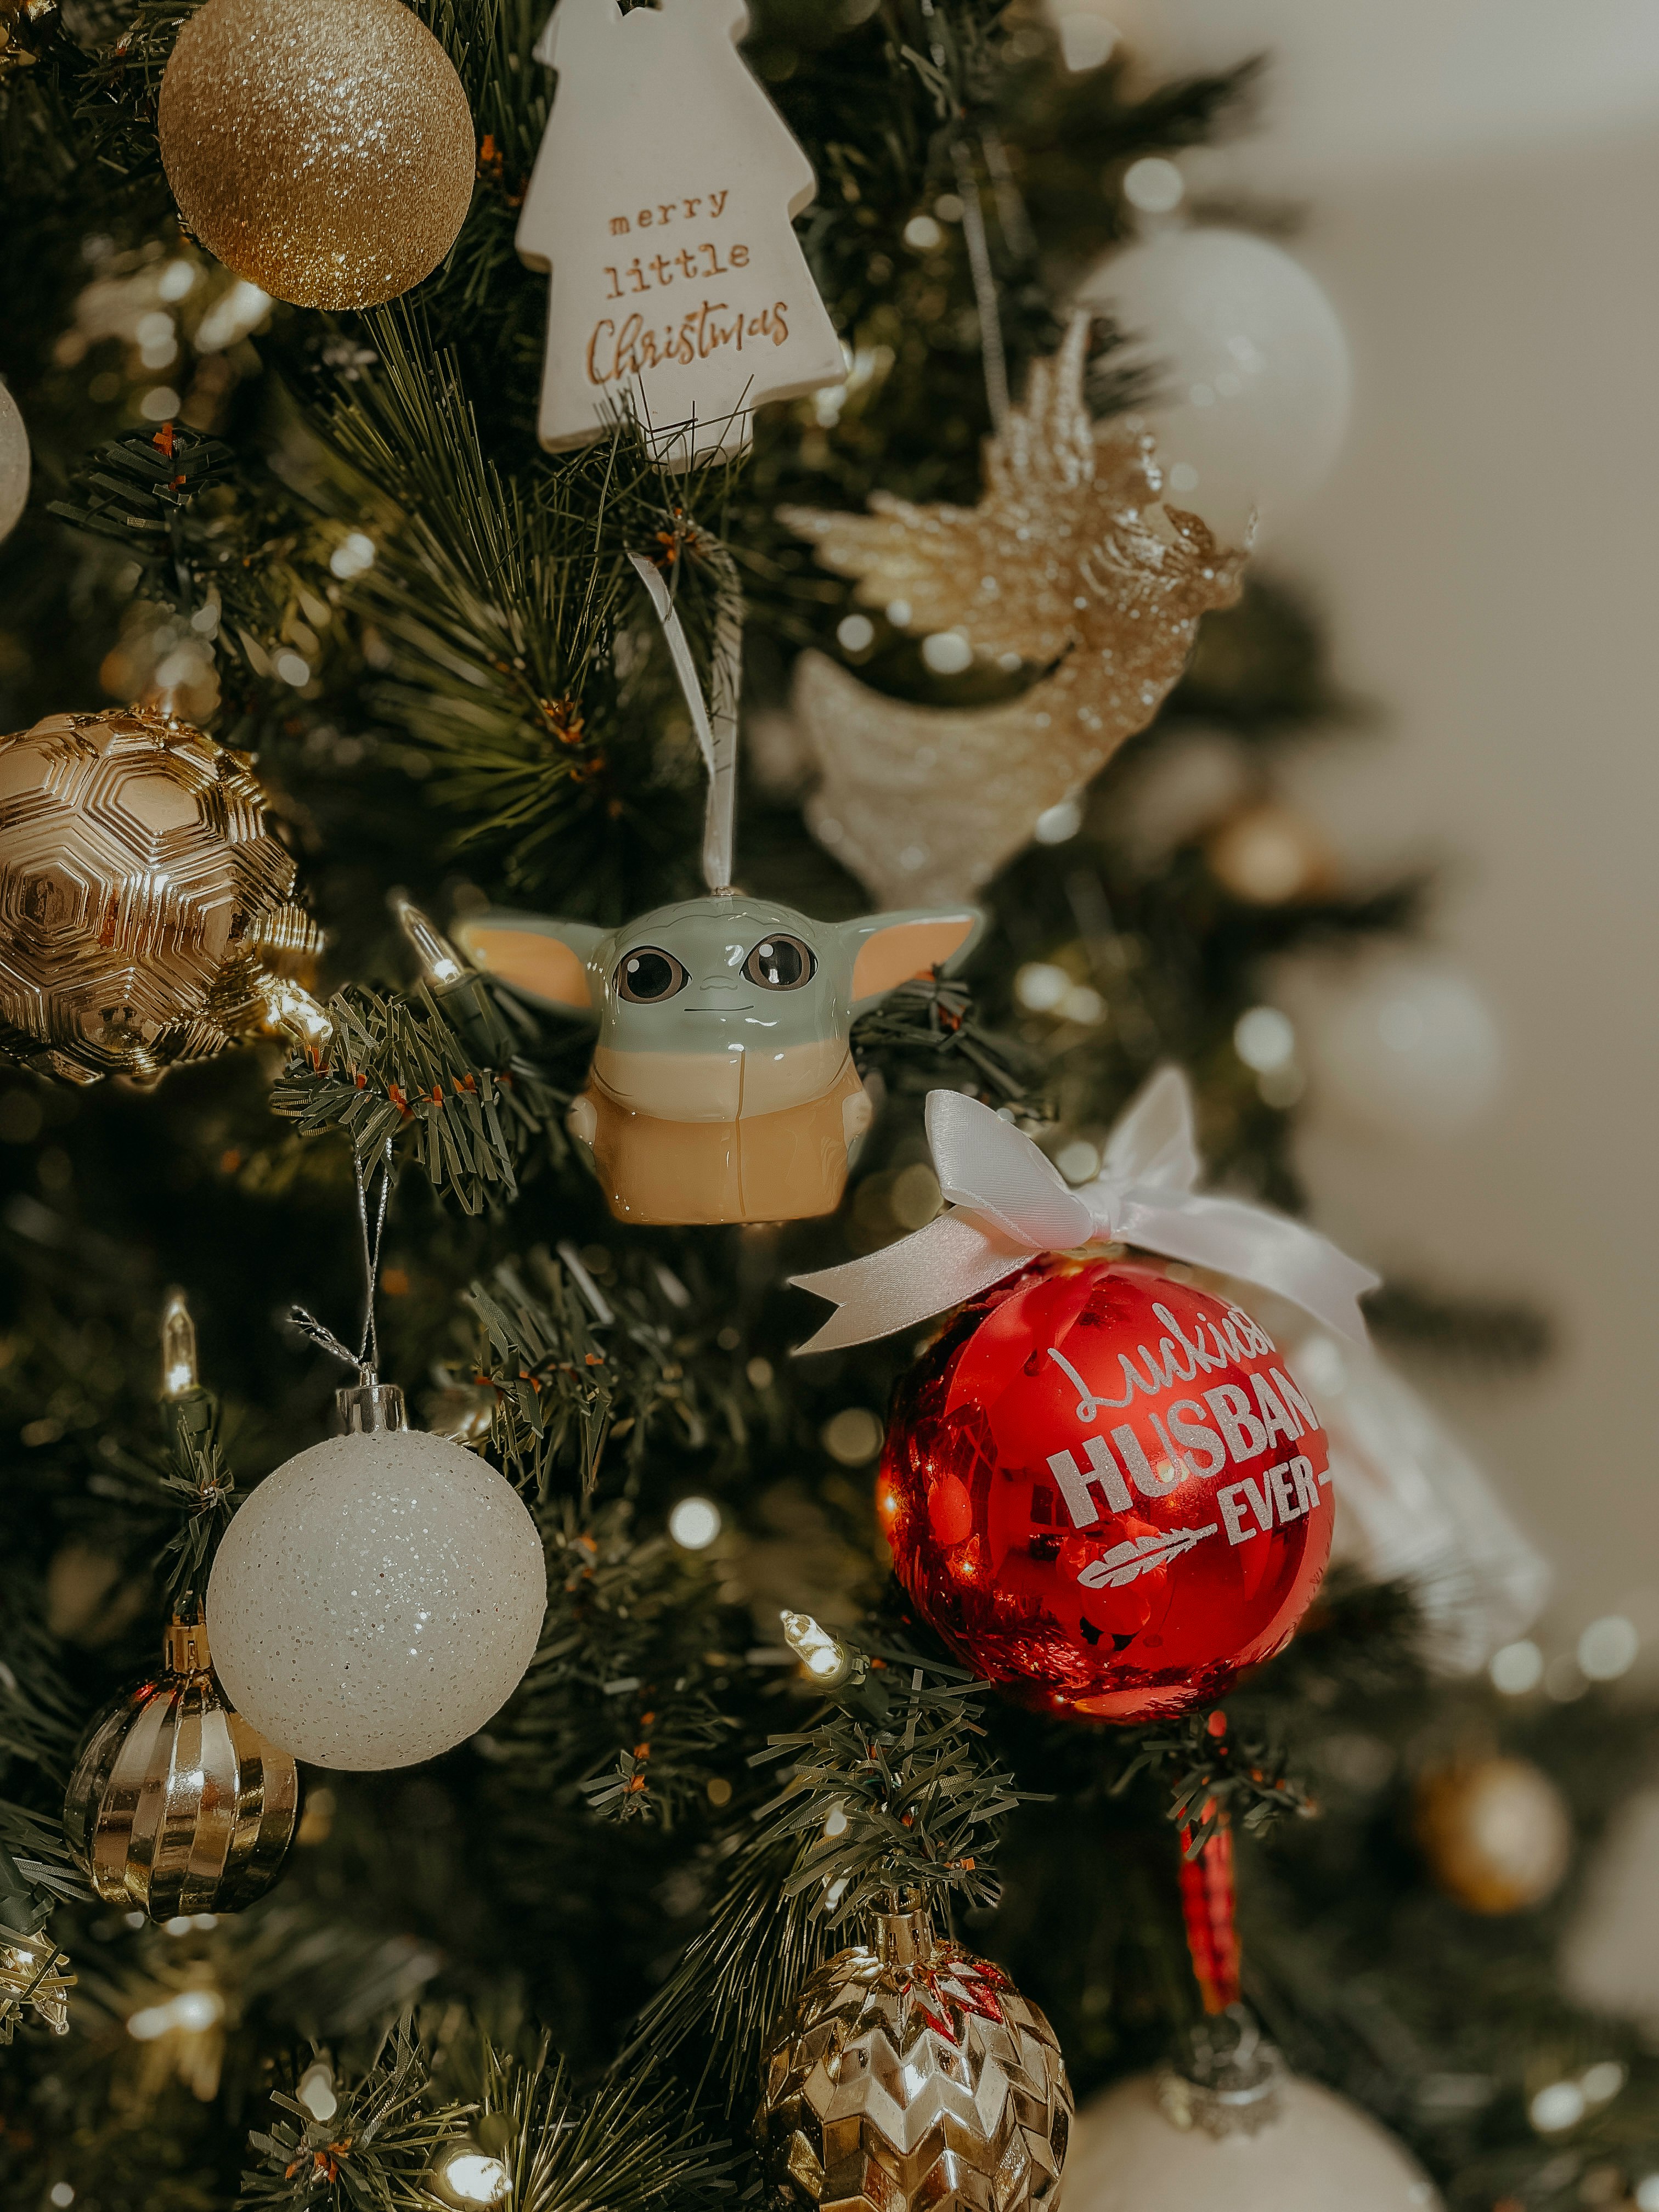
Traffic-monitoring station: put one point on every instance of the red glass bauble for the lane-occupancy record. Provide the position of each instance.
(1104, 1489)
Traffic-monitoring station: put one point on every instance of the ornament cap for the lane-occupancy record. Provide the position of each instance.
(371, 1408)
(1229, 2080)
(184, 1648)
(904, 1932)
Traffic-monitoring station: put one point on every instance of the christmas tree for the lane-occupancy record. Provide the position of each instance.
(396, 614)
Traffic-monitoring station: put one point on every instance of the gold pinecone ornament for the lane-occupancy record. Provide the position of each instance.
(177, 1804)
(910, 2074)
(144, 914)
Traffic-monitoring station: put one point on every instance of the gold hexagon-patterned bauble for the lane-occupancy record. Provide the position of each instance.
(910, 2074)
(145, 912)
(177, 1803)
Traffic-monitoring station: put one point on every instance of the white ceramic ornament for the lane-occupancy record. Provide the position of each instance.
(1319, 2152)
(376, 1600)
(661, 201)
(1249, 371)
(1610, 1957)
(13, 462)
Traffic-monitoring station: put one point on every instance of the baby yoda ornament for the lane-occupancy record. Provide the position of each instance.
(722, 1086)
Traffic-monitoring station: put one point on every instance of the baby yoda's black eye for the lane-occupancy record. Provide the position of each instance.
(779, 963)
(648, 975)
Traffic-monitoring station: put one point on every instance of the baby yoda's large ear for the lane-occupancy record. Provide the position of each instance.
(890, 948)
(531, 953)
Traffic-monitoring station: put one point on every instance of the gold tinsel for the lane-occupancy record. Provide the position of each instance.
(322, 149)
(32, 1972)
(1070, 564)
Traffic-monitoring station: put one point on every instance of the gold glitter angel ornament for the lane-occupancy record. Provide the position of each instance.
(1073, 564)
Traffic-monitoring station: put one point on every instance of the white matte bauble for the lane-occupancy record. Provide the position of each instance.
(1406, 1045)
(1320, 2154)
(13, 462)
(376, 1600)
(1248, 367)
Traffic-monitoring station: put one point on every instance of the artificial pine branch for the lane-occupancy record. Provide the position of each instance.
(566, 1380)
(397, 1069)
(617, 1698)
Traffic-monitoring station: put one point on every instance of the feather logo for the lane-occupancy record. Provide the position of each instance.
(1124, 1562)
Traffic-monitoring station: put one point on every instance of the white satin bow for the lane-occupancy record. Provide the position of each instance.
(1011, 1203)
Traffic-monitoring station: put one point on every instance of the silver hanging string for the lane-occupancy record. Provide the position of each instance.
(992, 353)
(714, 719)
(1013, 219)
(367, 1357)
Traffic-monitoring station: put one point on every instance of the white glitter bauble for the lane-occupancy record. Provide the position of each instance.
(13, 462)
(376, 1600)
(1249, 371)
(1321, 2153)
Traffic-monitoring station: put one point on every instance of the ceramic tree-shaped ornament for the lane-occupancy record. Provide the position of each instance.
(661, 203)
(723, 1086)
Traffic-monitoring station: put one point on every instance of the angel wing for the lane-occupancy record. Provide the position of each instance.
(1069, 547)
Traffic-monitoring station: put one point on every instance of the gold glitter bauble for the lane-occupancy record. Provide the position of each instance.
(912, 2075)
(177, 1804)
(322, 149)
(1495, 1832)
(1270, 854)
(1070, 564)
(142, 901)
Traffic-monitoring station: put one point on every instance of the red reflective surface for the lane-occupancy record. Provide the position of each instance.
(1103, 1490)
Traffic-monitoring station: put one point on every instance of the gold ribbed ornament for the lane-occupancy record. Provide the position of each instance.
(144, 903)
(177, 1804)
(322, 149)
(910, 2074)
(1071, 564)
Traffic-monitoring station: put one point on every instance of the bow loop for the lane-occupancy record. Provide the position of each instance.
(1010, 1203)
(986, 1167)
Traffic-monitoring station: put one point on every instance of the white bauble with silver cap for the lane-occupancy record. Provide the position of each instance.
(1245, 2136)
(377, 1598)
(1247, 369)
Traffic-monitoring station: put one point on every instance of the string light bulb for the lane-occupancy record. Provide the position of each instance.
(315, 2090)
(466, 2175)
(825, 1659)
(441, 964)
(459, 990)
(178, 1377)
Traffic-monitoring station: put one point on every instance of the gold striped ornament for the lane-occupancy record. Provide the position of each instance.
(177, 1804)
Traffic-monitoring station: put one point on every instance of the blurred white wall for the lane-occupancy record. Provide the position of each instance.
(1483, 176)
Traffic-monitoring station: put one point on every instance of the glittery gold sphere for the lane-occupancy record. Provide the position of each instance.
(142, 900)
(322, 149)
(1497, 1833)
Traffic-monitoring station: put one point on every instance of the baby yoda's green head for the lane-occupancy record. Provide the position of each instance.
(712, 974)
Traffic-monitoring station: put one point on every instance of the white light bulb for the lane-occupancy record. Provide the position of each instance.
(816, 1649)
(694, 1523)
(315, 2090)
(472, 2176)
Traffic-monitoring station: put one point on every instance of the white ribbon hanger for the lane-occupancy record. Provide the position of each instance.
(1010, 1203)
(717, 730)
